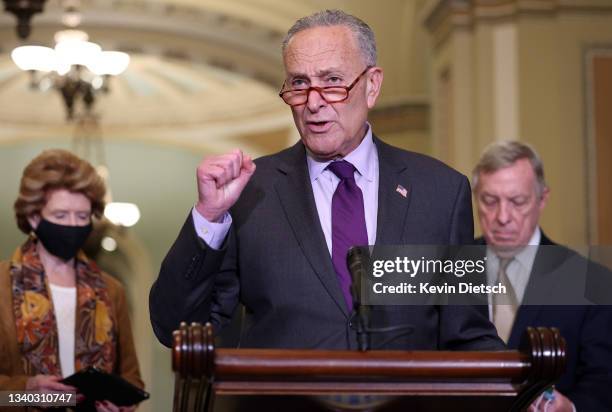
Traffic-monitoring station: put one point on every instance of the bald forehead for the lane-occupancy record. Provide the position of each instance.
(519, 176)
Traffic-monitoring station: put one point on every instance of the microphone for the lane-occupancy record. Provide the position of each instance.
(356, 260)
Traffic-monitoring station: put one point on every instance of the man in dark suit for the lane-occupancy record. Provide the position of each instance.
(511, 192)
(276, 239)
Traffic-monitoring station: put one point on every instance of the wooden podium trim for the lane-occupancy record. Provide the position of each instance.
(202, 371)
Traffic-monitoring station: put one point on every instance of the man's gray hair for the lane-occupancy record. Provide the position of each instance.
(500, 155)
(325, 18)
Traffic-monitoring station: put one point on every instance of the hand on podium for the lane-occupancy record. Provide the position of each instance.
(552, 401)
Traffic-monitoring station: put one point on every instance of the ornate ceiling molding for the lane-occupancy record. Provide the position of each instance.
(441, 17)
(199, 69)
(189, 31)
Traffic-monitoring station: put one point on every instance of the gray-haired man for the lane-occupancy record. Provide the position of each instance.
(273, 234)
(511, 193)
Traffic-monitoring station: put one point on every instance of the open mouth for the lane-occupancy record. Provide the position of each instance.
(319, 126)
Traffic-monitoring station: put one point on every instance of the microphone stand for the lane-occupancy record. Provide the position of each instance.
(357, 259)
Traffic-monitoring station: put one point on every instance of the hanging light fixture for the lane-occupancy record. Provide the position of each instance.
(24, 10)
(77, 68)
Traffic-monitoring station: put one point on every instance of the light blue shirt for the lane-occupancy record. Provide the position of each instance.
(211, 232)
(324, 183)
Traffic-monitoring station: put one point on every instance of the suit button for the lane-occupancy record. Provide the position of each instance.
(350, 324)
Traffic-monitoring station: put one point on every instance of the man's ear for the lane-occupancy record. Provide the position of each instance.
(374, 81)
(34, 220)
(544, 199)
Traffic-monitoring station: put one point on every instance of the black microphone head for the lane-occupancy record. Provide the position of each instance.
(356, 260)
(355, 253)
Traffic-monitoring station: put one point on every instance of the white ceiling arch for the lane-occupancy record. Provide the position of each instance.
(198, 68)
(198, 65)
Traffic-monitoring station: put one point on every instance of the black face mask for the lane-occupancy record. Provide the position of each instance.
(62, 241)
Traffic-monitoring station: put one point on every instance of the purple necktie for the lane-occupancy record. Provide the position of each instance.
(348, 223)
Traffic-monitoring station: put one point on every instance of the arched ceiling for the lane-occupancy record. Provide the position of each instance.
(200, 68)
(153, 91)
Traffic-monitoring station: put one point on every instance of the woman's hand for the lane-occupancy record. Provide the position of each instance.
(48, 383)
(107, 406)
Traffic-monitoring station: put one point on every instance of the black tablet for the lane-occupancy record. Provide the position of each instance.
(98, 386)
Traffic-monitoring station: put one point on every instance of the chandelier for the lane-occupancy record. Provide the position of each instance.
(77, 68)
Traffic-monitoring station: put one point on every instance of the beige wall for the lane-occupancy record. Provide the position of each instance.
(521, 75)
(553, 113)
(599, 69)
(416, 141)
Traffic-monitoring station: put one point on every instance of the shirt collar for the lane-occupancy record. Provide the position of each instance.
(361, 157)
(527, 255)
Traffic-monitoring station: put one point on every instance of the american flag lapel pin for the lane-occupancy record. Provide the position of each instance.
(401, 190)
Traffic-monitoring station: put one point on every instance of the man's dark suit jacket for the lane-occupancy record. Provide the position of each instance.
(587, 330)
(276, 262)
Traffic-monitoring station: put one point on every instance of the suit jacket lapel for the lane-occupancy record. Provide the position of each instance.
(542, 280)
(392, 205)
(542, 273)
(525, 316)
(295, 193)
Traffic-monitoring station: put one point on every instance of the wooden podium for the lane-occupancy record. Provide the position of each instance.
(324, 380)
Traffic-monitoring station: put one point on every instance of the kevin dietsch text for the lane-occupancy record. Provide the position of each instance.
(412, 269)
(429, 289)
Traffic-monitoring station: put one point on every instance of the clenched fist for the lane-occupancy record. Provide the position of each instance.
(221, 180)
